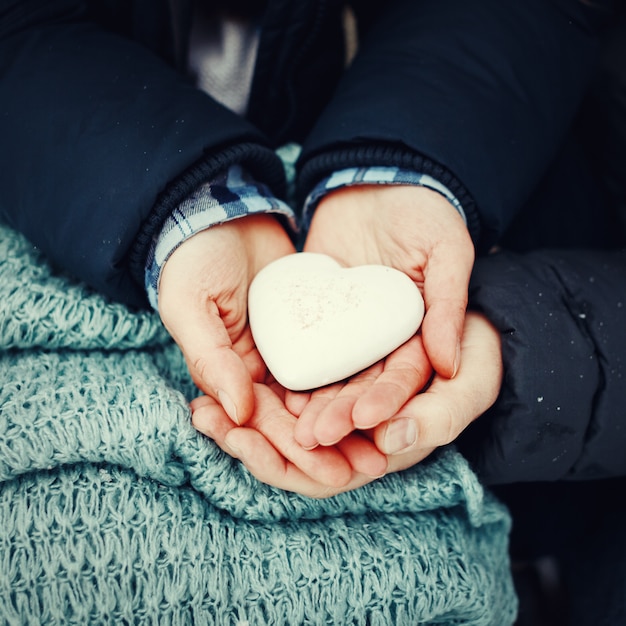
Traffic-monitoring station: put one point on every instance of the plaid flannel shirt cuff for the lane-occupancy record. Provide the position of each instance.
(233, 194)
(374, 175)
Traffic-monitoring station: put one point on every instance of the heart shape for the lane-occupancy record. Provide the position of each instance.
(315, 322)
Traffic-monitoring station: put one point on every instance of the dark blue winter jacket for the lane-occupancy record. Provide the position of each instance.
(103, 133)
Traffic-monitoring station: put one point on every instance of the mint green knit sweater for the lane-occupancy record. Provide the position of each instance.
(113, 510)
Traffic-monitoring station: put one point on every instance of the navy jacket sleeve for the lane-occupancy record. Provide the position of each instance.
(479, 94)
(561, 413)
(100, 140)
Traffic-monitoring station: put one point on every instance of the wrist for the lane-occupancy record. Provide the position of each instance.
(263, 238)
(232, 195)
(384, 176)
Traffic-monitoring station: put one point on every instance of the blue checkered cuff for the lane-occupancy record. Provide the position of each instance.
(375, 176)
(233, 194)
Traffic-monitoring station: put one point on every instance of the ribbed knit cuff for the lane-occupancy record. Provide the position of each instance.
(316, 168)
(262, 163)
(231, 195)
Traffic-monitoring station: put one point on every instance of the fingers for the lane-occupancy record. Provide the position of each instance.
(366, 400)
(259, 456)
(266, 464)
(209, 418)
(363, 456)
(430, 420)
(269, 466)
(327, 418)
(275, 425)
(437, 416)
(296, 401)
(213, 364)
(268, 449)
(446, 281)
(317, 401)
(405, 372)
(441, 331)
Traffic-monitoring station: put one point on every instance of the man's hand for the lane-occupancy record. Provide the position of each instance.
(203, 301)
(417, 231)
(440, 414)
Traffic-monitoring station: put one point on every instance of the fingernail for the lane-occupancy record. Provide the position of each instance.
(400, 435)
(228, 405)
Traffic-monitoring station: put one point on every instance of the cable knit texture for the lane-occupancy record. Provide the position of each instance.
(113, 510)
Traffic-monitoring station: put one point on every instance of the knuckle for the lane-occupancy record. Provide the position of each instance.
(200, 370)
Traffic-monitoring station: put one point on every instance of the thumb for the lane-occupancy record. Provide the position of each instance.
(446, 284)
(214, 365)
(426, 422)
(438, 415)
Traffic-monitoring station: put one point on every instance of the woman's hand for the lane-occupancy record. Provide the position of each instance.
(203, 302)
(267, 447)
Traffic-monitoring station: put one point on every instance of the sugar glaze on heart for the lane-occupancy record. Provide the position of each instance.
(315, 322)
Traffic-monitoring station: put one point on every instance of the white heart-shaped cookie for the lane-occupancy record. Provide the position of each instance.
(315, 322)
